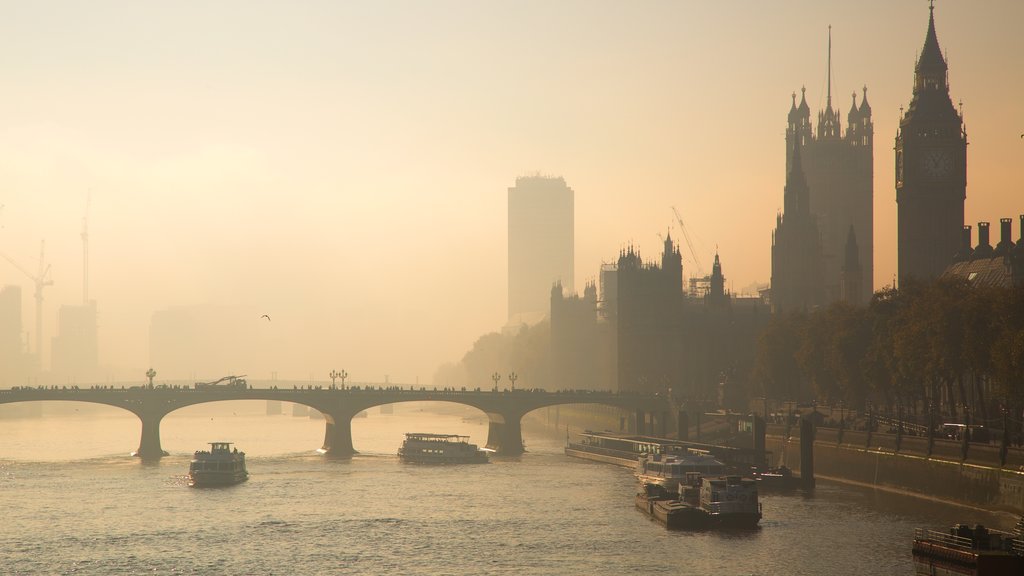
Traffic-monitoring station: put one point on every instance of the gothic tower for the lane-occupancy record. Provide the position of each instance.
(931, 169)
(839, 169)
(796, 247)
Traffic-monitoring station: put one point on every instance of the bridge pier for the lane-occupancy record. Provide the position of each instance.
(338, 434)
(505, 434)
(149, 444)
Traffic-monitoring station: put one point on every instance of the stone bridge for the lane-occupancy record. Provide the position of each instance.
(505, 409)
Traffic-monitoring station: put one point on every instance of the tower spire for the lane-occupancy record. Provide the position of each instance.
(828, 103)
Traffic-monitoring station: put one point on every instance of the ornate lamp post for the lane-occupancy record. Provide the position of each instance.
(151, 374)
(343, 375)
(496, 377)
(513, 377)
(334, 374)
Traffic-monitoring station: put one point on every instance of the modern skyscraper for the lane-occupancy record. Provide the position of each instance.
(540, 244)
(839, 170)
(931, 169)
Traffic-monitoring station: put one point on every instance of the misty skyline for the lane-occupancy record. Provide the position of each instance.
(343, 168)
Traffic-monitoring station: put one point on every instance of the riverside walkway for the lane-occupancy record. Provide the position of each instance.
(504, 408)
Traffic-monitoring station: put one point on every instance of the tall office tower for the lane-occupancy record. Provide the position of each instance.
(540, 245)
(796, 247)
(931, 170)
(839, 169)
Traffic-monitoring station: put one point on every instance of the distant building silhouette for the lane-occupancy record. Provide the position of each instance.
(796, 246)
(580, 339)
(650, 320)
(207, 341)
(74, 352)
(931, 169)
(647, 334)
(540, 244)
(14, 362)
(1001, 266)
(839, 169)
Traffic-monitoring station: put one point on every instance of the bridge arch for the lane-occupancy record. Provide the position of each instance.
(504, 409)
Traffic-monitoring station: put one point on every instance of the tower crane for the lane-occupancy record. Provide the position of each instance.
(689, 243)
(41, 280)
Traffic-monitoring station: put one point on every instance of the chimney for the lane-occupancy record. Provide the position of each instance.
(965, 251)
(1005, 231)
(983, 249)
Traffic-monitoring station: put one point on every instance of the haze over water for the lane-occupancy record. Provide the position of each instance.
(74, 502)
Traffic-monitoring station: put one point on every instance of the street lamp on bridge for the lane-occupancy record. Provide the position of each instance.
(151, 374)
(334, 375)
(513, 377)
(496, 377)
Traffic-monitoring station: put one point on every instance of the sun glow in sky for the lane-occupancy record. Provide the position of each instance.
(343, 166)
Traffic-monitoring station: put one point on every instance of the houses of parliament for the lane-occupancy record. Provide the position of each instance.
(651, 335)
(822, 244)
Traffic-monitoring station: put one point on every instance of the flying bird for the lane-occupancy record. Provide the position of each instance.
(265, 316)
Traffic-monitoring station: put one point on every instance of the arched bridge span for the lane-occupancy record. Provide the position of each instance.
(504, 409)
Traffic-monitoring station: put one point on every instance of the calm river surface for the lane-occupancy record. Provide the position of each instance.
(74, 502)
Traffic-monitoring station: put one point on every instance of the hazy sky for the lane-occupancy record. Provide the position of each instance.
(343, 166)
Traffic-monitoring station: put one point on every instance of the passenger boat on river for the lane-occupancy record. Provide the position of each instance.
(219, 466)
(440, 449)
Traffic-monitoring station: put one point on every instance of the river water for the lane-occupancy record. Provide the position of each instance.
(74, 502)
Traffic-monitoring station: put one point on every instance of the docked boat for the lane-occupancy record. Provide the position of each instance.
(671, 470)
(731, 501)
(440, 449)
(725, 502)
(623, 450)
(219, 466)
(977, 551)
(676, 512)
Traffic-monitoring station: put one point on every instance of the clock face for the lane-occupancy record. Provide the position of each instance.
(937, 164)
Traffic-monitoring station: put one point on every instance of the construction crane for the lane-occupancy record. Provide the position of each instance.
(41, 280)
(689, 243)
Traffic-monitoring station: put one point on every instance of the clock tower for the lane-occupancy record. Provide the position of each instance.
(931, 169)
